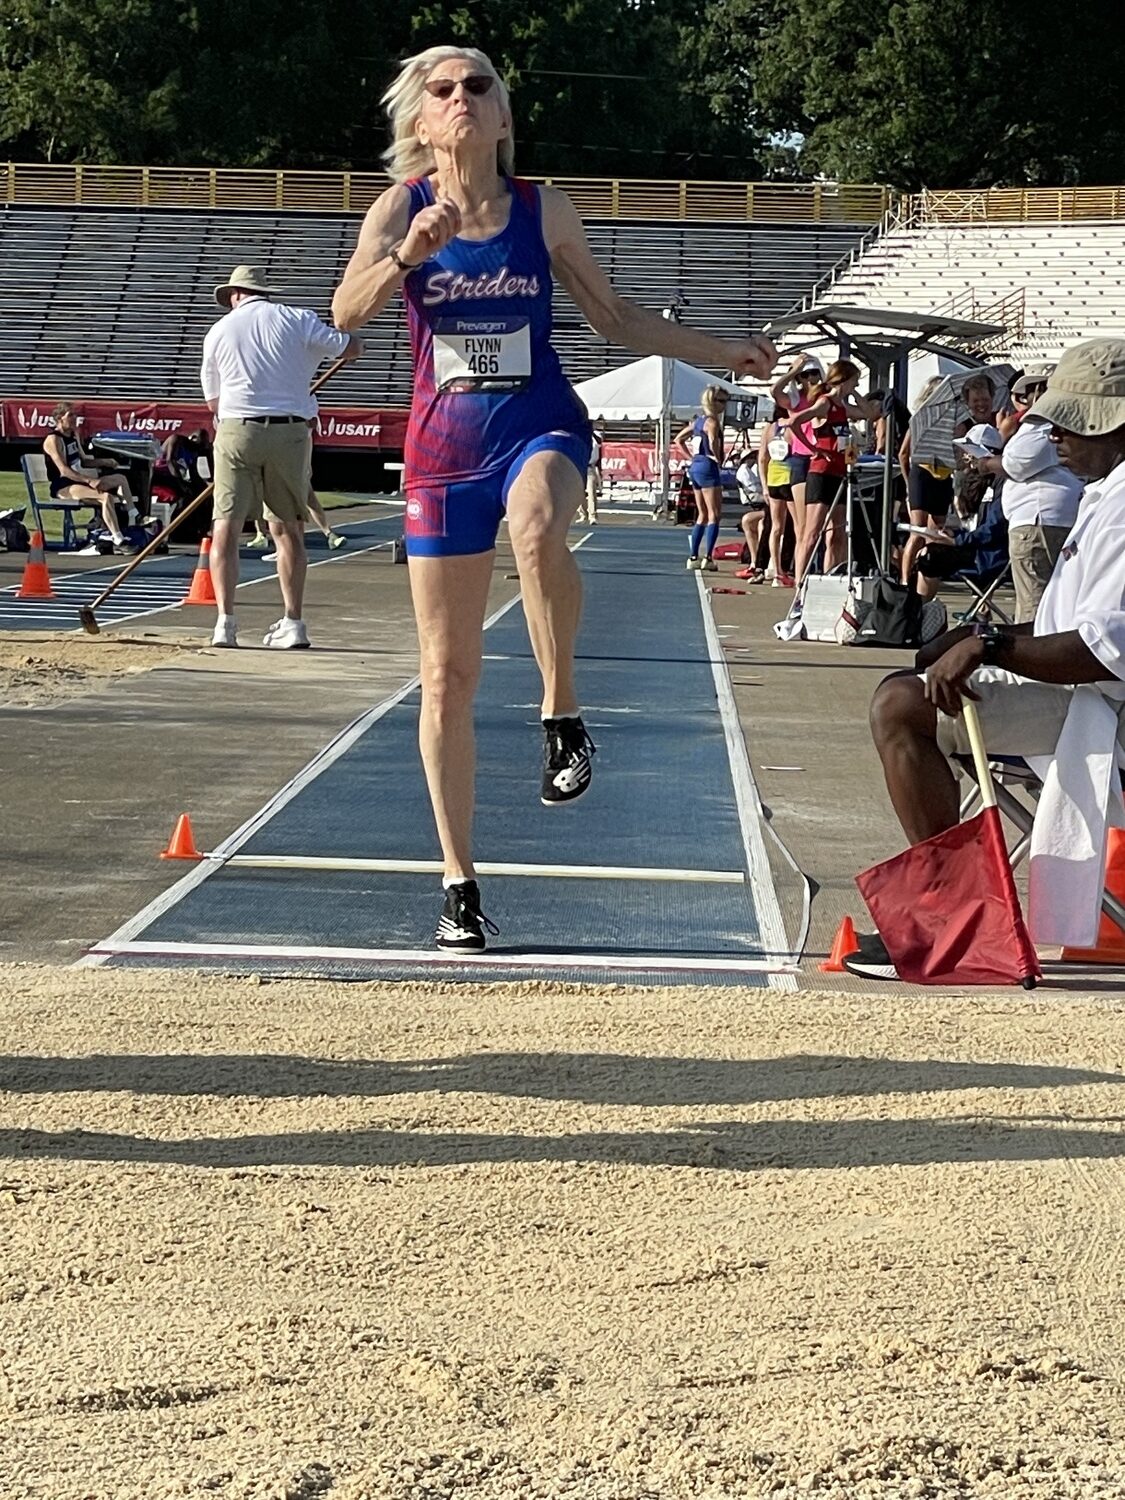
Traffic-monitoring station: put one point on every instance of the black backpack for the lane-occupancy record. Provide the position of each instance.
(14, 535)
(894, 619)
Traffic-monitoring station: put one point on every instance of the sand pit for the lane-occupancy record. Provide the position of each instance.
(276, 1241)
(38, 670)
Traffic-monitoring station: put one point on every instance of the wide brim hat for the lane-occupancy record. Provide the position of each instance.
(1086, 391)
(244, 279)
(1034, 375)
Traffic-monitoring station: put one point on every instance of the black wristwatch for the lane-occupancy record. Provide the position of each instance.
(403, 265)
(995, 643)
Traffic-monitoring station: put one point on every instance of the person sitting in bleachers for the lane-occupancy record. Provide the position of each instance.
(74, 474)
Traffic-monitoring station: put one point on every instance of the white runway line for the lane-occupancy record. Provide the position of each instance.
(435, 867)
(749, 805)
(112, 948)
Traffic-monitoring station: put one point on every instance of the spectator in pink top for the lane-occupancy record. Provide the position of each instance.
(794, 390)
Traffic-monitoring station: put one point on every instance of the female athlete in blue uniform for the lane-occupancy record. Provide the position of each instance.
(705, 473)
(495, 429)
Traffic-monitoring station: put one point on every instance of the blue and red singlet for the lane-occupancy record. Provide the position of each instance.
(488, 387)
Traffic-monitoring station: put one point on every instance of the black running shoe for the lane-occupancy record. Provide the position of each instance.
(567, 750)
(462, 925)
(872, 961)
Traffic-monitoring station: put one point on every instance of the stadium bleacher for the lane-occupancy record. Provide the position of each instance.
(115, 302)
(1070, 277)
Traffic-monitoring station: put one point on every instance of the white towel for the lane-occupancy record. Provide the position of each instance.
(1068, 840)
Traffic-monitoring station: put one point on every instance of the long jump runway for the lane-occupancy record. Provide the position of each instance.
(658, 875)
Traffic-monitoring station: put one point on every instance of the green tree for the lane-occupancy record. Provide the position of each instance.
(947, 93)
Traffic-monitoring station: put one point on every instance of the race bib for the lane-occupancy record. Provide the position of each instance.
(843, 434)
(481, 354)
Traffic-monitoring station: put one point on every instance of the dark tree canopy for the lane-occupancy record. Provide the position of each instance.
(944, 93)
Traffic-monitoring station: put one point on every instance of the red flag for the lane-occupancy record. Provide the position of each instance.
(947, 909)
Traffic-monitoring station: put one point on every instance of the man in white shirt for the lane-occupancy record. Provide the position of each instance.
(258, 364)
(1026, 678)
(1039, 496)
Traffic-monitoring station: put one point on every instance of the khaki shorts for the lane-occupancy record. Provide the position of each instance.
(1017, 716)
(262, 465)
(1034, 551)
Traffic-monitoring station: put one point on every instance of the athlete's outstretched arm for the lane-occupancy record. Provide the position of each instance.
(624, 322)
(372, 277)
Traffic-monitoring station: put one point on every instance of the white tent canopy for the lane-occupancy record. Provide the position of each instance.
(643, 391)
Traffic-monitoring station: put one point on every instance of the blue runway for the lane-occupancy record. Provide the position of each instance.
(161, 582)
(672, 793)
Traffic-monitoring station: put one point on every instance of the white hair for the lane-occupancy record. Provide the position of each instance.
(407, 156)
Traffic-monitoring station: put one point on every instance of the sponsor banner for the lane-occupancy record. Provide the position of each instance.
(337, 426)
(636, 461)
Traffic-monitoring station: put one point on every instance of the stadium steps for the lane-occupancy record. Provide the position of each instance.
(114, 304)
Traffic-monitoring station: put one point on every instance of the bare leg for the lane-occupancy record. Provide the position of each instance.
(779, 519)
(836, 540)
(541, 504)
(224, 561)
(810, 536)
(920, 780)
(449, 603)
(316, 510)
(800, 522)
(751, 524)
(292, 564)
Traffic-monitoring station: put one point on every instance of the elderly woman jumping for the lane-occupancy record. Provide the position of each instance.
(495, 428)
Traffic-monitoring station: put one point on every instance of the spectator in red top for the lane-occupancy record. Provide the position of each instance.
(827, 424)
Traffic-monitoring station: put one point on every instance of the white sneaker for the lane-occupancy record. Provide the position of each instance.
(287, 635)
(274, 628)
(693, 564)
(269, 556)
(225, 632)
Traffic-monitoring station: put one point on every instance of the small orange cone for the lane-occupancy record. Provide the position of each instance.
(202, 590)
(182, 843)
(1111, 940)
(843, 944)
(36, 580)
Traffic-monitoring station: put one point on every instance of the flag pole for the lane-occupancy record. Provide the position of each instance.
(980, 755)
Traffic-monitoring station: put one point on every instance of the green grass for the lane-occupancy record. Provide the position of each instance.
(13, 491)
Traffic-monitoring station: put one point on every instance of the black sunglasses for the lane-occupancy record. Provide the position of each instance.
(476, 83)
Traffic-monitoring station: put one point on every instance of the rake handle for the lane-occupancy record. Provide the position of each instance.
(161, 536)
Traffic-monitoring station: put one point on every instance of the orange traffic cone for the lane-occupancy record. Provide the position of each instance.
(202, 590)
(843, 945)
(182, 843)
(36, 580)
(1111, 940)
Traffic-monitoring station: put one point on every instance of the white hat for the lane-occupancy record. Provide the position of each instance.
(244, 279)
(984, 436)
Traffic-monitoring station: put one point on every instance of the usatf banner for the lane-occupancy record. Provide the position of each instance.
(337, 426)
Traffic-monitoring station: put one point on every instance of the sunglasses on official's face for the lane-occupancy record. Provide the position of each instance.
(476, 83)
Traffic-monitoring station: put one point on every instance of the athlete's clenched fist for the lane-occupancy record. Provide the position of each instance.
(754, 356)
(430, 231)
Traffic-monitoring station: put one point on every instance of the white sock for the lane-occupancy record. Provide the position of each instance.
(451, 880)
(559, 718)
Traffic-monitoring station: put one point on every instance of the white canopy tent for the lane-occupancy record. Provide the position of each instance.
(652, 389)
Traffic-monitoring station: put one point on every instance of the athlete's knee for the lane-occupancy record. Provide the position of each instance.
(449, 681)
(536, 537)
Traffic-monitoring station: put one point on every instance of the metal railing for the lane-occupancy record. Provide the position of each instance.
(1017, 206)
(1008, 310)
(354, 192)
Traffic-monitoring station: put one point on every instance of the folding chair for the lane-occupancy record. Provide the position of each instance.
(39, 495)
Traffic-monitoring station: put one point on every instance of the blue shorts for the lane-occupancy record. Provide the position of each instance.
(704, 474)
(799, 467)
(458, 520)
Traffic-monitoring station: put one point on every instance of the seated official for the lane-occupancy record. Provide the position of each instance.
(1024, 678)
(74, 474)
